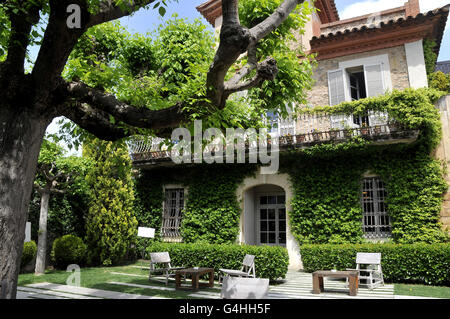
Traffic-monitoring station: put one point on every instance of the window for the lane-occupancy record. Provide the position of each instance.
(357, 83)
(173, 213)
(376, 221)
(356, 80)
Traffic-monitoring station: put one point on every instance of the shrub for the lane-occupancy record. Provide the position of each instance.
(68, 249)
(110, 223)
(270, 262)
(28, 254)
(415, 263)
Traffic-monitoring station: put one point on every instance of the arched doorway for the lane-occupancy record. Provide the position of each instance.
(265, 203)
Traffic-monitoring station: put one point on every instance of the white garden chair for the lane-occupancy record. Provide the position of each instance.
(368, 266)
(247, 270)
(164, 259)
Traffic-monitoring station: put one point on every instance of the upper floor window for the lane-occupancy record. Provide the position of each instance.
(173, 213)
(355, 83)
(376, 220)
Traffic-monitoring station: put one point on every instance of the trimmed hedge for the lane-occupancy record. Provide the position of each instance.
(28, 253)
(415, 263)
(270, 262)
(67, 250)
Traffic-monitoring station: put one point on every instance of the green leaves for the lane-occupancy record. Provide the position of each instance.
(111, 224)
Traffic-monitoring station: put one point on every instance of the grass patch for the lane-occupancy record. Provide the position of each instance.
(100, 278)
(422, 291)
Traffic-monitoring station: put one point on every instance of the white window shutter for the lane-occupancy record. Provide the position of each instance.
(336, 87)
(374, 80)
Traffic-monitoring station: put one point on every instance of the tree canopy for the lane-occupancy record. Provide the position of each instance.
(115, 85)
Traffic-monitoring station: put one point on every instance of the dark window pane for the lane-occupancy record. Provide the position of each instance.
(263, 213)
(282, 213)
(282, 226)
(281, 199)
(272, 238)
(263, 226)
(263, 200)
(282, 238)
(272, 226)
(271, 214)
(272, 200)
(263, 238)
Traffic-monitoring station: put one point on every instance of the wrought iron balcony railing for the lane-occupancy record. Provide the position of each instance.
(143, 151)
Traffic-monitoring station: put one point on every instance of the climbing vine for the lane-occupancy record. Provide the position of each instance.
(326, 180)
(211, 210)
(326, 207)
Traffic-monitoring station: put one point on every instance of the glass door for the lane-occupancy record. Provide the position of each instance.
(271, 219)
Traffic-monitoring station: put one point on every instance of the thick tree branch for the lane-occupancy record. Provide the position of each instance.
(109, 11)
(21, 23)
(94, 121)
(57, 44)
(130, 115)
(261, 30)
(266, 71)
(236, 40)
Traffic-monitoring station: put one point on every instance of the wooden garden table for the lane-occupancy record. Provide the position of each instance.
(195, 274)
(350, 274)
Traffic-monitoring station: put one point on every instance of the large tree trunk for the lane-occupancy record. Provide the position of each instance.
(21, 134)
(42, 238)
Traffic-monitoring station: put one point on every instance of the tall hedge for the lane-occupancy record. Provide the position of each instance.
(415, 263)
(270, 262)
(111, 225)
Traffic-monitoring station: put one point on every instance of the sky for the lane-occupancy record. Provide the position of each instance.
(148, 20)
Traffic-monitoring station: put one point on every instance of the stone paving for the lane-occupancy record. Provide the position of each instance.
(297, 285)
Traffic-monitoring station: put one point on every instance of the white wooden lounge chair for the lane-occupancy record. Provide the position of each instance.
(368, 266)
(247, 270)
(164, 259)
(244, 288)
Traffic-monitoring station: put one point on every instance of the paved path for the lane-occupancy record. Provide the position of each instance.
(55, 290)
(297, 285)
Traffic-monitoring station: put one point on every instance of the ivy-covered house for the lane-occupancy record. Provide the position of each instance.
(356, 164)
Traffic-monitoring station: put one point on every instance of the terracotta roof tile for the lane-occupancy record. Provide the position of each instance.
(444, 11)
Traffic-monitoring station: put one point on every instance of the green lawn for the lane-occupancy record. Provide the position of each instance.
(422, 291)
(100, 278)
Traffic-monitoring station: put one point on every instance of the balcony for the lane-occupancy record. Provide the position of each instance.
(304, 133)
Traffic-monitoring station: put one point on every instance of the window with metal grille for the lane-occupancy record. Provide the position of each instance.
(173, 213)
(376, 221)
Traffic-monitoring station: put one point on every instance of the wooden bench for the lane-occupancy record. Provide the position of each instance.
(352, 277)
